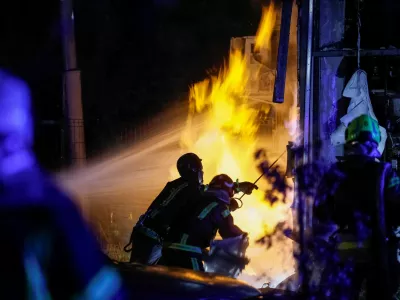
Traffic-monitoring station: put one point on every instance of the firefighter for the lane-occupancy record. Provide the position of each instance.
(346, 207)
(47, 250)
(147, 235)
(196, 226)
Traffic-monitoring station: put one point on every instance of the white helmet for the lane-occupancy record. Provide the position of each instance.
(15, 109)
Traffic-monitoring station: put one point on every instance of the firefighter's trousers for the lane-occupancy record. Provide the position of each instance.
(145, 250)
(181, 259)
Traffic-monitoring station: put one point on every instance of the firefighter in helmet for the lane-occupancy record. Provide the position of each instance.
(198, 223)
(349, 206)
(148, 233)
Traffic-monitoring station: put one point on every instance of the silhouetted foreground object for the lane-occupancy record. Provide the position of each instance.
(47, 250)
(356, 210)
(158, 282)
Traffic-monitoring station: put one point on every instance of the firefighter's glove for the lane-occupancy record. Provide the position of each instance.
(205, 254)
(204, 187)
(233, 205)
(245, 187)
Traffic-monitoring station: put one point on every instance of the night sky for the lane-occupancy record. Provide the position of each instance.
(135, 57)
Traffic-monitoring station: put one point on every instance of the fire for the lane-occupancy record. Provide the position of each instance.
(227, 140)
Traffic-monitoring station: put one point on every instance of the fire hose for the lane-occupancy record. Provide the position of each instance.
(227, 256)
(262, 174)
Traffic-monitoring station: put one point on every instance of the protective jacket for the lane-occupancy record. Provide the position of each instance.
(198, 223)
(175, 195)
(346, 195)
(355, 197)
(148, 234)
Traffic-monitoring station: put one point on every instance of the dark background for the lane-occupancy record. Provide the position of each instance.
(135, 56)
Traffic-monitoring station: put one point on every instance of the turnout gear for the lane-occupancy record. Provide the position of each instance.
(148, 234)
(357, 207)
(145, 244)
(197, 225)
(350, 202)
(233, 205)
(176, 194)
(351, 218)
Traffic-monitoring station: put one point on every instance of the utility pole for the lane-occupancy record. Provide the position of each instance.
(72, 87)
(72, 96)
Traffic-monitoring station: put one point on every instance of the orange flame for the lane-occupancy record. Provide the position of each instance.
(266, 27)
(227, 139)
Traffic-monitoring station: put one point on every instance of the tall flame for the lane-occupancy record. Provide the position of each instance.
(226, 98)
(228, 139)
